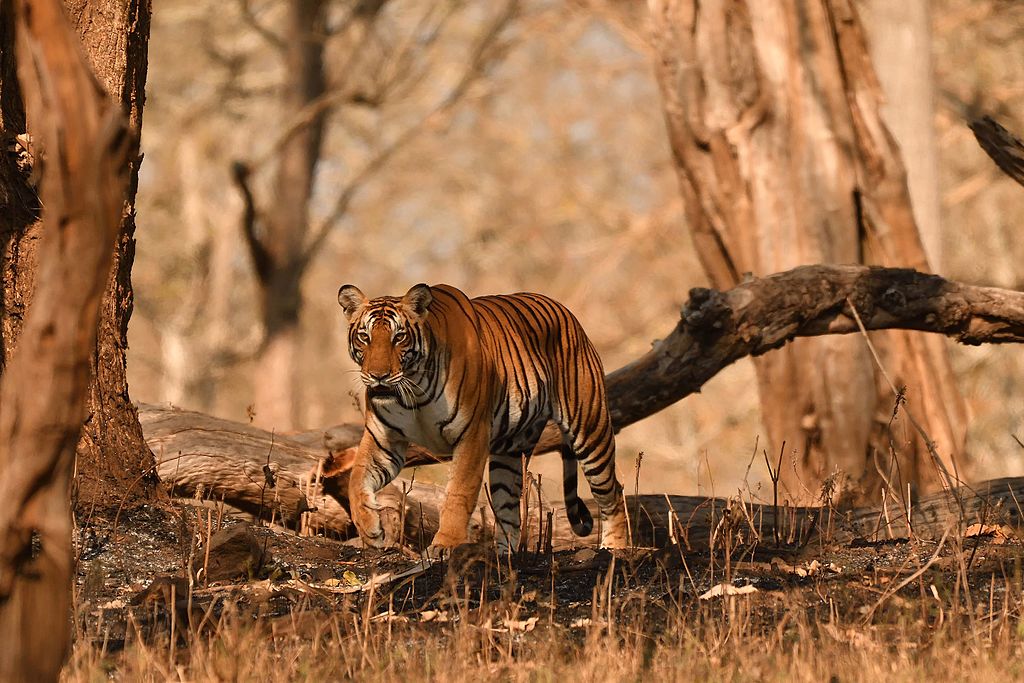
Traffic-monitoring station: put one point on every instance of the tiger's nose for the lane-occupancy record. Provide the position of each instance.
(378, 376)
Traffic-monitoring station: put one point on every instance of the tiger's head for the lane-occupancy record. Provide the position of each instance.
(387, 337)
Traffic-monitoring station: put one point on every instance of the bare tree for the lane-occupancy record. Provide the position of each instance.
(783, 159)
(46, 381)
(282, 237)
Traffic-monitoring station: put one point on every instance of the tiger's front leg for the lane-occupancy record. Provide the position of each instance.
(378, 461)
(469, 457)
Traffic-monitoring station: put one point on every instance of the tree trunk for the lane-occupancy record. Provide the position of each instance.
(46, 381)
(900, 39)
(782, 160)
(112, 455)
(278, 253)
(113, 460)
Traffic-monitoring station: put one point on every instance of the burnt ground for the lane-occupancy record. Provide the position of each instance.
(134, 583)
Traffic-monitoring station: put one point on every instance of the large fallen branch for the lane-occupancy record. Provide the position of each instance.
(718, 328)
(224, 461)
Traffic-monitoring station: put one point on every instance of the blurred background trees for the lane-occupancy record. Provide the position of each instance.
(549, 171)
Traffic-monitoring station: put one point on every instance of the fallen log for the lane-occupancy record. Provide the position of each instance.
(225, 461)
(716, 329)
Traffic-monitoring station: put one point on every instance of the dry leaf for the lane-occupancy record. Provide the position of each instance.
(521, 626)
(433, 615)
(728, 589)
(1000, 533)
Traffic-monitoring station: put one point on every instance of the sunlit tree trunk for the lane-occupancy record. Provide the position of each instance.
(113, 463)
(66, 354)
(900, 40)
(772, 110)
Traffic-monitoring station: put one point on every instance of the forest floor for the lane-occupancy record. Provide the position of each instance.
(312, 609)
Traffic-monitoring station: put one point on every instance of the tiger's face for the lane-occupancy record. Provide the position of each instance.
(388, 339)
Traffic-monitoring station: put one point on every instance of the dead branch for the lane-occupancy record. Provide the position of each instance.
(1001, 145)
(718, 328)
(44, 388)
(293, 480)
(260, 256)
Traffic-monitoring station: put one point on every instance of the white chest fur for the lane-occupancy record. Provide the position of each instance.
(429, 426)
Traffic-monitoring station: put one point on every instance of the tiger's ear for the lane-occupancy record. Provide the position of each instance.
(350, 299)
(417, 299)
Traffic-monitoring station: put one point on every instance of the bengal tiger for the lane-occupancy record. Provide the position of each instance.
(476, 378)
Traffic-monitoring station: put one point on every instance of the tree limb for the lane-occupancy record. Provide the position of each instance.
(260, 256)
(718, 328)
(1001, 145)
(475, 66)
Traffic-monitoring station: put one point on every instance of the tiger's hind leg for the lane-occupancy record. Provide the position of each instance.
(579, 516)
(588, 438)
(505, 482)
(597, 457)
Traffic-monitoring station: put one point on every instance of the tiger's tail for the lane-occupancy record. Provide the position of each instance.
(579, 516)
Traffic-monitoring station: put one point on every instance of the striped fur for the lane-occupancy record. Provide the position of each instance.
(479, 378)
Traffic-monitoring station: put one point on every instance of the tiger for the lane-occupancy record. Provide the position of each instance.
(478, 379)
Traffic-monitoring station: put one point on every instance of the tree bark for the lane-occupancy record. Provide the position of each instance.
(900, 39)
(112, 455)
(45, 384)
(114, 465)
(783, 159)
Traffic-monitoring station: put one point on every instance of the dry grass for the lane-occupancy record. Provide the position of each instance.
(725, 641)
(882, 610)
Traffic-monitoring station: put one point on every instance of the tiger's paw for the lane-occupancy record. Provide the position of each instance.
(437, 552)
(615, 533)
(442, 545)
(367, 521)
